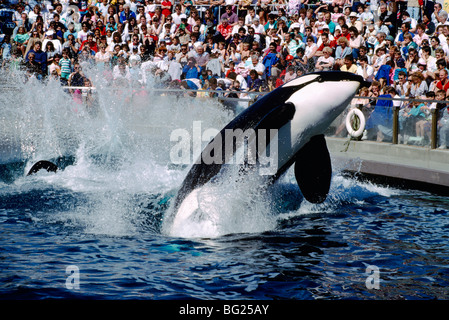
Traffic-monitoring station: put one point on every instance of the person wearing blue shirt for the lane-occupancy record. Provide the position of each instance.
(270, 59)
(126, 14)
(254, 83)
(330, 23)
(191, 69)
(343, 49)
(405, 27)
(83, 7)
(40, 56)
(215, 86)
(70, 30)
(6, 47)
(381, 119)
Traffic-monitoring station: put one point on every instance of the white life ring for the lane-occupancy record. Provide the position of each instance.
(349, 117)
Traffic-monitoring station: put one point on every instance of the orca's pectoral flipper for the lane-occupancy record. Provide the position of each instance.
(313, 170)
(43, 164)
(278, 117)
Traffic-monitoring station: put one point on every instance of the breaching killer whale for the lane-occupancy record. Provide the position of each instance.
(301, 110)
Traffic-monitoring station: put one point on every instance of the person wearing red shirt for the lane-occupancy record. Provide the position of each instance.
(99, 25)
(231, 68)
(154, 38)
(345, 32)
(225, 29)
(325, 42)
(166, 7)
(443, 83)
(90, 42)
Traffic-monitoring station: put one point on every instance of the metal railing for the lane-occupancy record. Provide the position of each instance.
(230, 103)
(221, 96)
(395, 118)
(201, 8)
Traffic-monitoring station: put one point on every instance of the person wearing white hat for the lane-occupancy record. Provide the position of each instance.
(294, 26)
(47, 12)
(50, 37)
(320, 23)
(354, 21)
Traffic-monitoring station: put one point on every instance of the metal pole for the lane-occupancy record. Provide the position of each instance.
(395, 124)
(434, 132)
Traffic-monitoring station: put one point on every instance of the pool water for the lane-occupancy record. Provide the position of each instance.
(98, 228)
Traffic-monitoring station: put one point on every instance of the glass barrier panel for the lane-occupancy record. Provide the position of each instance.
(415, 123)
(378, 120)
(443, 129)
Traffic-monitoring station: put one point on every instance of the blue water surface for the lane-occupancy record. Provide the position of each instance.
(320, 252)
(102, 218)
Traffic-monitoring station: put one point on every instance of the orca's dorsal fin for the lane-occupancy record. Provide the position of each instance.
(43, 164)
(313, 170)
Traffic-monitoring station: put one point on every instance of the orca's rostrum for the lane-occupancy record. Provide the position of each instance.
(300, 110)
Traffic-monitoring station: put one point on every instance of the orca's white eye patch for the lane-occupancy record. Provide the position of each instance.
(301, 80)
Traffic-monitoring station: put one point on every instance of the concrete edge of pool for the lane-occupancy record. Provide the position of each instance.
(392, 164)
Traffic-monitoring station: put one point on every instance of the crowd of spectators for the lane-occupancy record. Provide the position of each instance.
(204, 39)
(238, 45)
